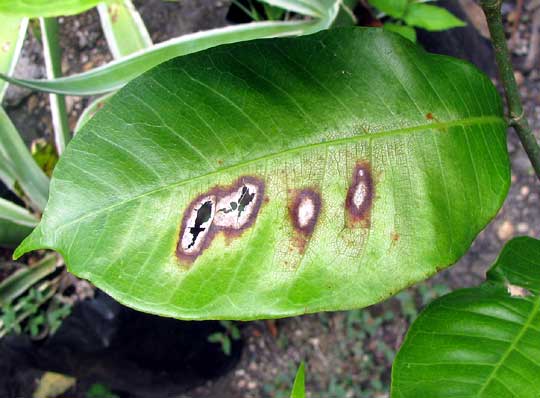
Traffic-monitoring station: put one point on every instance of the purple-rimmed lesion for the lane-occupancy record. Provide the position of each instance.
(226, 209)
(304, 211)
(359, 197)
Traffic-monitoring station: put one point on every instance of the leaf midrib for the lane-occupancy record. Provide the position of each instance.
(512, 347)
(476, 120)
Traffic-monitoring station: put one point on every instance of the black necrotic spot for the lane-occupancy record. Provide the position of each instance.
(243, 201)
(203, 215)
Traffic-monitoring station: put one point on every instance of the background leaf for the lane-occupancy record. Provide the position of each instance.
(299, 386)
(394, 8)
(358, 120)
(16, 223)
(116, 74)
(23, 279)
(52, 54)
(431, 17)
(479, 342)
(404, 30)
(18, 170)
(45, 8)
(124, 28)
(12, 34)
(12, 233)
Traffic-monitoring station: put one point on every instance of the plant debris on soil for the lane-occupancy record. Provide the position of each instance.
(347, 354)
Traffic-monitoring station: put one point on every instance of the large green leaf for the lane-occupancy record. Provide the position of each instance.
(45, 8)
(481, 342)
(404, 151)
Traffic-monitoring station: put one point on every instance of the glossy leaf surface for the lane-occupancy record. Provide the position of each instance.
(481, 342)
(52, 54)
(279, 177)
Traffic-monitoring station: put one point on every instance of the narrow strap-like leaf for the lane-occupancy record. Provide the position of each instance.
(12, 33)
(299, 386)
(22, 280)
(16, 223)
(117, 73)
(52, 53)
(16, 214)
(18, 168)
(124, 28)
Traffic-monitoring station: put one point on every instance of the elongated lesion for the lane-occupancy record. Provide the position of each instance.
(360, 194)
(304, 211)
(226, 209)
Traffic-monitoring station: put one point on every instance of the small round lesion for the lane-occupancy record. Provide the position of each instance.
(304, 211)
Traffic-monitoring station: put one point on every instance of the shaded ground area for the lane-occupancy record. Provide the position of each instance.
(348, 354)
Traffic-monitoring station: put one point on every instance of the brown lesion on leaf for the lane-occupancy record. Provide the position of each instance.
(227, 209)
(304, 210)
(359, 199)
(395, 237)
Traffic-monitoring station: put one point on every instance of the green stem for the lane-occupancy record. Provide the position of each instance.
(518, 120)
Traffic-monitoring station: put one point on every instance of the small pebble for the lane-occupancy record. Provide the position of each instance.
(505, 231)
(522, 227)
(524, 191)
(519, 78)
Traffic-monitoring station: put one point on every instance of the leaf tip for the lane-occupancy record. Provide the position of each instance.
(31, 242)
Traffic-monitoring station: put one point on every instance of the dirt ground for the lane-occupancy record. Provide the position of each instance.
(348, 354)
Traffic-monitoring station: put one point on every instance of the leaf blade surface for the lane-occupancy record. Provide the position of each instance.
(307, 127)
